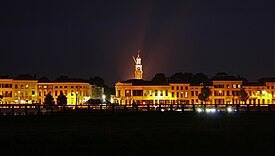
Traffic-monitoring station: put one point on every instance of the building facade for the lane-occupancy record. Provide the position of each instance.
(224, 90)
(29, 90)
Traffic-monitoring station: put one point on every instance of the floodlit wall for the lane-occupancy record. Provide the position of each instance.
(223, 92)
(32, 91)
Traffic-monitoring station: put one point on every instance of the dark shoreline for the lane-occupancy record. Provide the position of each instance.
(154, 133)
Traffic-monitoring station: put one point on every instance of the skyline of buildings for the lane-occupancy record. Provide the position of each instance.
(225, 90)
(24, 89)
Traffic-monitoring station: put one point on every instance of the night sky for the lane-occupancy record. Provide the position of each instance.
(98, 38)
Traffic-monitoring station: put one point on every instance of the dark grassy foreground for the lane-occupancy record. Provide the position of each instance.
(139, 134)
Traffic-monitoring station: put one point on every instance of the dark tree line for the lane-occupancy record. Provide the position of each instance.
(194, 79)
(61, 99)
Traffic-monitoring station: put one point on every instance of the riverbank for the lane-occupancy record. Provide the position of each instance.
(154, 133)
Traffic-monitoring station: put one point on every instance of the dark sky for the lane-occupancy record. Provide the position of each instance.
(88, 38)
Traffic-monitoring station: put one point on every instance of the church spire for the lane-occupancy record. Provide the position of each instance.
(138, 66)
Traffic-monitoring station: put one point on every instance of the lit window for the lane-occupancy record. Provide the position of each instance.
(145, 93)
(150, 92)
(127, 93)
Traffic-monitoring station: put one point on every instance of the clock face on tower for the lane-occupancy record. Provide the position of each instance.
(138, 68)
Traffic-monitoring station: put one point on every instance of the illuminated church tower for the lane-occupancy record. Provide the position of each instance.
(138, 67)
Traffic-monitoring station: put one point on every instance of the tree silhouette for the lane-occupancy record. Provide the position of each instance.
(200, 78)
(49, 100)
(182, 77)
(243, 95)
(205, 94)
(62, 99)
(159, 78)
(98, 81)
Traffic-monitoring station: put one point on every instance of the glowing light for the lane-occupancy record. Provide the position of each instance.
(86, 98)
(210, 110)
(199, 110)
(104, 98)
(229, 109)
(162, 110)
